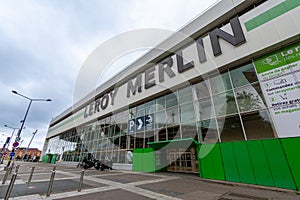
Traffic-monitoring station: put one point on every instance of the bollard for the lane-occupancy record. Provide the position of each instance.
(10, 168)
(10, 187)
(31, 173)
(17, 168)
(50, 184)
(54, 168)
(5, 176)
(80, 181)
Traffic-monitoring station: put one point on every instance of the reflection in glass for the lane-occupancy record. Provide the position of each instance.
(243, 75)
(171, 100)
(185, 95)
(230, 128)
(189, 131)
(225, 104)
(187, 113)
(173, 132)
(172, 116)
(160, 103)
(208, 131)
(258, 125)
(150, 107)
(149, 137)
(139, 140)
(160, 119)
(220, 83)
(250, 98)
(205, 108)
(202, 90)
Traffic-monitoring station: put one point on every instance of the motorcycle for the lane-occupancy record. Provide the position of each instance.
(99, 165)
(86, 164)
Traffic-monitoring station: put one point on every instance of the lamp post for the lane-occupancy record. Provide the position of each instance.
(23, 121)
(12, 134)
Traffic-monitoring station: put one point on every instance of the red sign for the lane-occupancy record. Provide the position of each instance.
(15, 144)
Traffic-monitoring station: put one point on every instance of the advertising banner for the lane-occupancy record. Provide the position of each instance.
(279, 74)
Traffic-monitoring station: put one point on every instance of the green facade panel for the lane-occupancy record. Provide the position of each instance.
(143, 160)
(244, 164)
(260, 163)
(291, 147)
(278, 164)
(211, 166)
(137, 161)
(229, 161)
(148, 158)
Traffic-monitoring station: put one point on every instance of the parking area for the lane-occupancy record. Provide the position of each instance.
(117, 184)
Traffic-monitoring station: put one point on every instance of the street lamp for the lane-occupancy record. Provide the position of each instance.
(23, 121)
(30, 101)
(12, 134)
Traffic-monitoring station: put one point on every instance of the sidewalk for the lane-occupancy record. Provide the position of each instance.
(116, 185)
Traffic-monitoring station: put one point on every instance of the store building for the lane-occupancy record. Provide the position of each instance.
(225, 105)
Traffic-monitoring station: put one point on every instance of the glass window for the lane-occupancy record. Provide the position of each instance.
(202, 90)
(149, 137)
(123, 142)
(258, 125)
(220, 83)
(162, 134)
(171, 100)
(132, 113)
(208, 131)
(124, 125)
(139, 140)
(189, 131)
(173, 133)
(230, 128)
(141, 107)
(250, 98)
(140, 113)
(150, 107)
(243, 75)
(131, 141)
(225, 104)
(160, 103)
(172, 116)
(160, 119)
(187, 113)
(205, 108)
(185, 95)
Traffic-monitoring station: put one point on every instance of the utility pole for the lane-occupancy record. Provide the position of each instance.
(29, 144)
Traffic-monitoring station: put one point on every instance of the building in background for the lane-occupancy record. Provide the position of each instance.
(33, 154)
(225, 106)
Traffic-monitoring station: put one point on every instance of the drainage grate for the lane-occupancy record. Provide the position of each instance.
(238, 196)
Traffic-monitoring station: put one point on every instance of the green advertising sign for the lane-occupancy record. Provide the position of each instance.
(279, 75)
(278, 59)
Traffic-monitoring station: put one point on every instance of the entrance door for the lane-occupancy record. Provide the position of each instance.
(182, 160)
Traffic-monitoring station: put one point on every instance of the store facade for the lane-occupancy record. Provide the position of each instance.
(225, 104)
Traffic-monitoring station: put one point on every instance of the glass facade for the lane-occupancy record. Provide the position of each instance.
(229, 106)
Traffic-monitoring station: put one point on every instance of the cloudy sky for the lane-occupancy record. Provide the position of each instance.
(43, 45)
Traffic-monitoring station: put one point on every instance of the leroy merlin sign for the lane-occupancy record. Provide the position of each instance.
(279, 73)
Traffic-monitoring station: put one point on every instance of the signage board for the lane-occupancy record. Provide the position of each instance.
(141, 123)
(279, 74)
